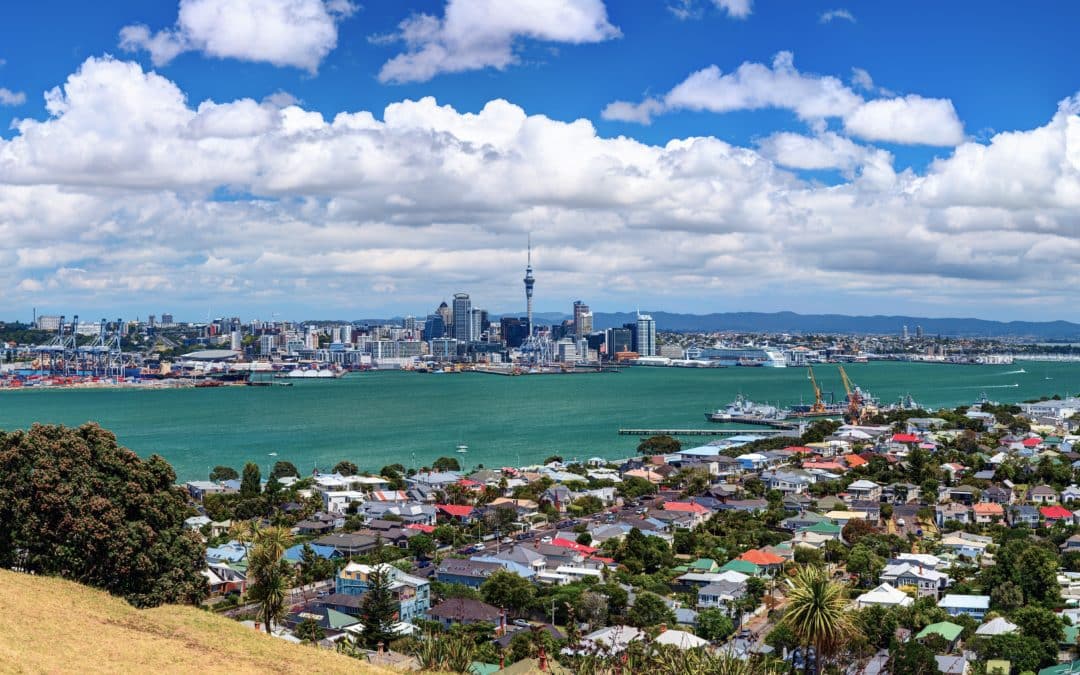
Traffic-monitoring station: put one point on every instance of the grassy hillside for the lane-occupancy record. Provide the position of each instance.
(52, 625)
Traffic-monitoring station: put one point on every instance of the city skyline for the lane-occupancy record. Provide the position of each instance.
(682, 155)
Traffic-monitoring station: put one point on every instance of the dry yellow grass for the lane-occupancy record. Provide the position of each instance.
(56, 626)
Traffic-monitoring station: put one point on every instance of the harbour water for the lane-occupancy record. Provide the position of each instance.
(378, 418)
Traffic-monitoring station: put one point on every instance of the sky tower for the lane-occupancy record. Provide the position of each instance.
(529, 281)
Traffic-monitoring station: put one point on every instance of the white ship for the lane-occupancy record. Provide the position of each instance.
(723, 355)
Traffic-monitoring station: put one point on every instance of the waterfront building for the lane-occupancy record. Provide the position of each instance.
(412, 594)
(444, 348)
(462, 318)
(646, 335)
(618, 340)
(514, 331)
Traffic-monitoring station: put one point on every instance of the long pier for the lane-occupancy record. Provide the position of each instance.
(707, 432)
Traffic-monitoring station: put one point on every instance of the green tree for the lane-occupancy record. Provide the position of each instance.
(421, 545)
(714, 625)
(446, 464)
(1023, 652)
(635, 487)
(914, 658)
(1043, 625)
(284, 469)
(221, 473)
(553, 458)
(346, 468)
(310, 631)
(509, 591)
(864, 563)
(877, 624)
(1007, 596)
(379, 609)
(649, 609)
(817, 613)
(269, 575)
(659, 445)
(75, 504)
(313, 567)
(251, 483)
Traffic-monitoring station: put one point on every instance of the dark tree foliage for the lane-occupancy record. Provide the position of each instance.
(446, 464)
(659, 445)
(378, 610)
(221, 473)
(284, 469)
(75, 504)
(251, 483)
(346, 468)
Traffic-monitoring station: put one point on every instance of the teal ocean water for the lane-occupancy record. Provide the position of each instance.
(378, 418)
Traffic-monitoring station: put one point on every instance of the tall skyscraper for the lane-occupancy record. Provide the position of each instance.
(529, 281)
(904, 333)
(919, 332)
(646, 335)
(618, 340)
(462, 318)
(476, 327)
(434, 327)
(582, 319)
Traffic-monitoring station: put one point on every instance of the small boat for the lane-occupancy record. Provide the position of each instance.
(462, 449)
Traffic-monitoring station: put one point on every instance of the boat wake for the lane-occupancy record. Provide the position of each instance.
(1014, 372)
(997, 386)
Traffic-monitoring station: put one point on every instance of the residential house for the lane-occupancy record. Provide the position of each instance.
(962, 494)
(885, 595)
(988, 512)
(975, 606)
(998, 494)
(611, 640)
(1056, 514)
(960, 513)
(1042, 495)
(696, 513)
(412, 594)
(466, 611)
(769, 563)
(928, 582)
(338, 501)
(462, 514)
(948, 631)
(348, 544)
(719, 594)
(786, 482)
(966, 545)
(1023, 514)
(864, 490)
(1070, 494)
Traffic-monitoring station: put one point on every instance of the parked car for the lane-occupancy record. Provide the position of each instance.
(523, 623)
(546, 540)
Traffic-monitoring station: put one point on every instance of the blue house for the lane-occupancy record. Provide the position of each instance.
(413, 594)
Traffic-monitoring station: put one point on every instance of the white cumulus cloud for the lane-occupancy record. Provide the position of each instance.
(297, 33)
(425, 199)
(813, 98)
(9, 97)
(477, 34)
(910, 119)
(737, 9)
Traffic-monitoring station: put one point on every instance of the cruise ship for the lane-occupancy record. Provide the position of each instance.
(739, 356)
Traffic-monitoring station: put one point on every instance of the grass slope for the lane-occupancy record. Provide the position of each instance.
(53, 625)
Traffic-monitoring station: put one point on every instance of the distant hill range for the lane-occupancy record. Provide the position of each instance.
(790, 322)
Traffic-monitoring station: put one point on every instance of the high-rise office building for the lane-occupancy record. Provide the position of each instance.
(476, 327)
(904, 332)
(582, 319)
(447, 315)
(514, 331)
(646, 335)
(618, 340)
(919, 332)
(462, 318)
(434, 327)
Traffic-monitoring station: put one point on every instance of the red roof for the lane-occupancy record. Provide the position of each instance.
(1032, 442)
(827, 466)
(905, 438)
(800, 449)
(761, 558)
(423, 528)
(988, 509)
(1055, 512)
(465, 482)
(854, 460)
(455, 510)
(685, 507)
(573, 545)
(606, 561)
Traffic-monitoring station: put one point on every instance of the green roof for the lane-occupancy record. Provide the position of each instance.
(481, 668)
(946, 629)
(824, 527)
(998, 667)
(707, 564)
(743, 566)
(1062, 669)
(339, 620)
(1071, 634)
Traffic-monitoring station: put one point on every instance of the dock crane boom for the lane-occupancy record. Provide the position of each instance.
(854, 397)
(819, 405)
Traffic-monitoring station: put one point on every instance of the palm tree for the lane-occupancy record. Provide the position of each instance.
(817, 613)
(271, 576)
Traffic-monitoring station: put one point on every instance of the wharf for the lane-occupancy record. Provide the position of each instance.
(704, 432)
(757, 421)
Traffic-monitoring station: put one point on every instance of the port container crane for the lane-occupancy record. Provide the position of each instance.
(819, 405)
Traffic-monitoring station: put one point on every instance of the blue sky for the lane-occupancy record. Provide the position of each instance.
(680, 228)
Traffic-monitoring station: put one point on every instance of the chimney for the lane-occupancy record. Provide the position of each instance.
(663, 628)
(380, 647)
(543, 658)
(502, 661)
(258, 626)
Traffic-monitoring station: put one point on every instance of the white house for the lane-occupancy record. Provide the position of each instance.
(885, 595)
